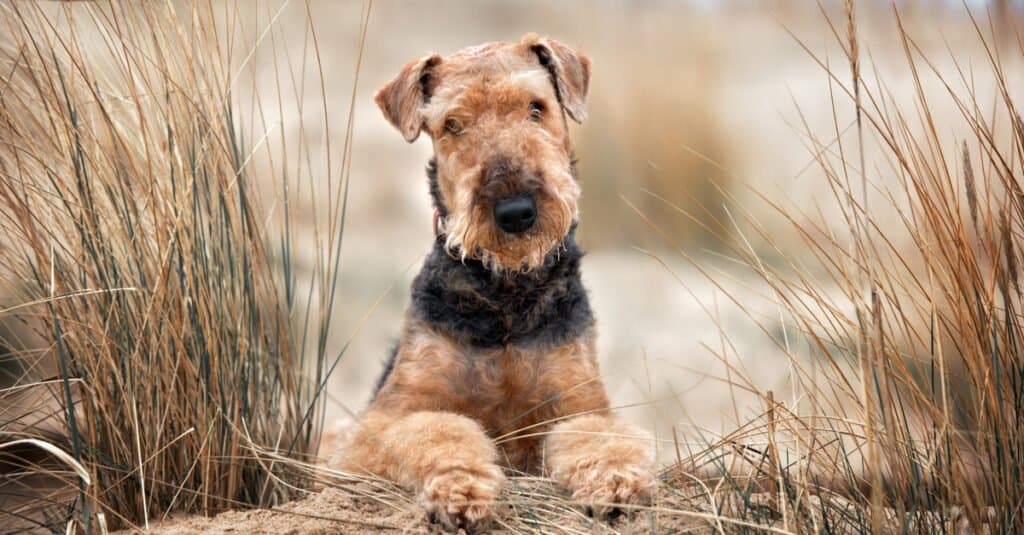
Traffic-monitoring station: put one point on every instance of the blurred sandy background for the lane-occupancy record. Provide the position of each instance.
(686, 98)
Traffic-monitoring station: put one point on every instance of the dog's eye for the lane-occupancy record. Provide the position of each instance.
(536, 110)
(453, 127)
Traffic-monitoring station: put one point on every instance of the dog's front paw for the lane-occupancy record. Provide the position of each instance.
(603, 486)
(463, 498)
(605, 463)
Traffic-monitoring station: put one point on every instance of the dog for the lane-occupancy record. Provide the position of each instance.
(496, 365)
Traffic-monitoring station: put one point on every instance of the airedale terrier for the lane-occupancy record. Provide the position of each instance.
(496, 363)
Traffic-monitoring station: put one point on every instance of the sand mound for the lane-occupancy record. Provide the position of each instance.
(529, 506)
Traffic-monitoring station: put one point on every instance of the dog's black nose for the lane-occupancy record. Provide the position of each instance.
(516, 214)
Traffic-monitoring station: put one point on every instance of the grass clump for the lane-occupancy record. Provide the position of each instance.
(901, 319)
(138, 247)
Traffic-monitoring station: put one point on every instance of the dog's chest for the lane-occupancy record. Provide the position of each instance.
(505, 388)
(515, 394)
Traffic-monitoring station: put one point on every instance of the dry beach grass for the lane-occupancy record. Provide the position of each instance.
(144, 264)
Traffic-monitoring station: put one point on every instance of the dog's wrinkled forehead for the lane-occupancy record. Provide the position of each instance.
(534, 64)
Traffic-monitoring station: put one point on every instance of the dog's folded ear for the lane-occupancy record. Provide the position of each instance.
(570, 72)
(401, 98)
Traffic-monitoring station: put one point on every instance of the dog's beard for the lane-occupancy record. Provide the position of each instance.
(470, 233)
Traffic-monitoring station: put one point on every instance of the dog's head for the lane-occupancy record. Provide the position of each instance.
(505, 175)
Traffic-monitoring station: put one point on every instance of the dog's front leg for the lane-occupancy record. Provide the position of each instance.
(603, 461)
(446, 458)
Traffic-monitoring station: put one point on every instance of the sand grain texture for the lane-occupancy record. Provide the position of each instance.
(330, 511)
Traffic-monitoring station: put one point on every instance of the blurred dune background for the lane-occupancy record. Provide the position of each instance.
(694, 107)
